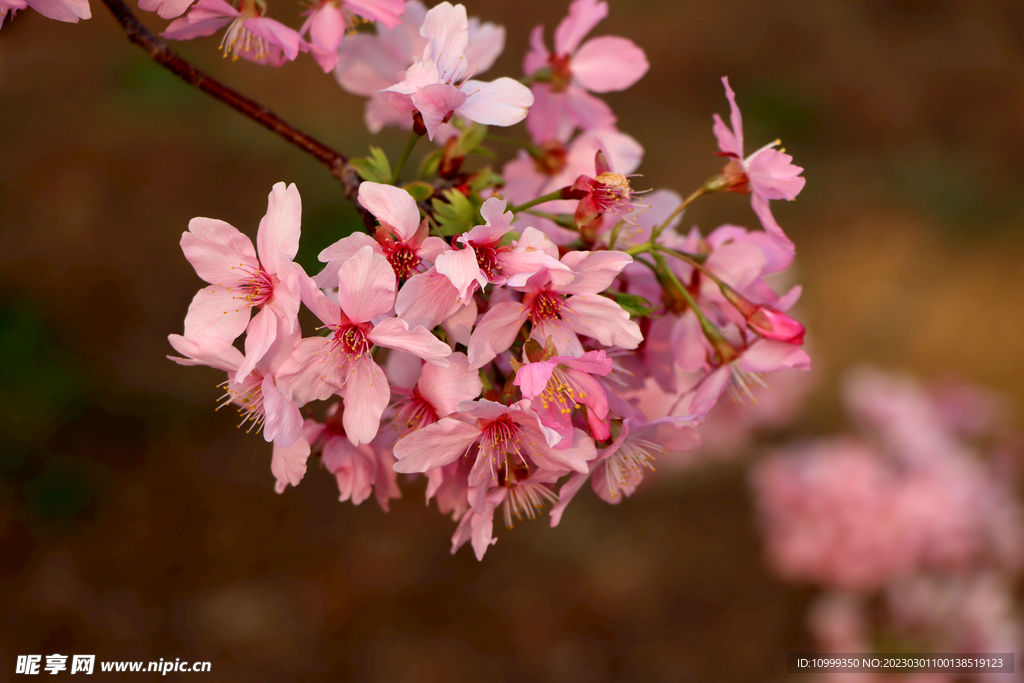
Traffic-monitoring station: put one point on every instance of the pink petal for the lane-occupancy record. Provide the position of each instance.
(212, 351)
(216, 312)
(283, 424)
(216, 250)
(729, 141)
(771, 356)
(760, 206)
(459, 325)
(533, 378)
(602, 319)
(584, 15)
(595, 271)
(436, 102)
(392, 206)
(354, 468)
(167, 9)
(394, 333)
(562, 333)
(773, 175)
(608, 64)
(311, 374)
(593, 395)
(447, 29)
(710, 389)
(587, 111)
(326, 27)
(276, 33)
(537, 56)
(366, 396)
(486, 43)
(288, 465)
(427, 299)
(62, 10)
(287, 295)
(550, 119)
(435, 445)
(575, 457)
(366, 286)
(259, 336)
(502, 102)
(566, 494)
(461, 269)
(496, 332)
(445, 388)
(387, 12)
(592, 362)
(323, 308)
(339, 252)
(277, 240)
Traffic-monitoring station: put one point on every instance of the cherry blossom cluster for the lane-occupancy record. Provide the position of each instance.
(920, 512)
(506, 353)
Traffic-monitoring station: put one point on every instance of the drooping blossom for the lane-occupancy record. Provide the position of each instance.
(249, 35)
(437, 87)
(242, 278)
(401, 236)
(263, 399)
(766, 174)
(343, 362)
(560, 311)
(70, 11)
(557, 385)
(522, 494)
(326, 24)
(619, 468)
(607, 192)
(358, 469)
(600, 65)
(506, 438)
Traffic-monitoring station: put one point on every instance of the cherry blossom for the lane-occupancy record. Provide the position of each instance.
(250, 35)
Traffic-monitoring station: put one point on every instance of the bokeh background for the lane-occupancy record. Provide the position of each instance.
(136, 523)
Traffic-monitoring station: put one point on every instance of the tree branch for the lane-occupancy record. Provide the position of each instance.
(157, 49)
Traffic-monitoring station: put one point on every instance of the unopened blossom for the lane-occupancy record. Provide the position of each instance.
(558, 385)
(70, 11)
(263, 400)
(522, 495)
(560, 311)
(766, 174)
(437, 87)
(600, 65)
(401, 236)
(342, 362)
(249, 35)
(242, 278)
(326, 24)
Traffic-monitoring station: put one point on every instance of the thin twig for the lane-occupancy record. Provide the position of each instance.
(336, 162)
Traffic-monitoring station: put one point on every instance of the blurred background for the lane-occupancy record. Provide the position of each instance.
(136, 523)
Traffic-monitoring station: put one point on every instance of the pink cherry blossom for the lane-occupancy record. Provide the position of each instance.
(342, 362)
(167, 9)
(264, 400)
(436, 85)
(250, 35)
(326, 24)
(242, 278)
(560, 311)
(767, 174)
(401, 236)
(563, 383)
(600, 65)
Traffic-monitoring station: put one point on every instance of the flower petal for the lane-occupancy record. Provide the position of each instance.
(434, 446)
(392, 206)
(394, 333)
(366, 396)
(608, 64)
(277, 239)
(366, 286)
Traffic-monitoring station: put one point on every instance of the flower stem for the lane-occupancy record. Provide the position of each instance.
(679, 209)
(414, 137)
(553, 196)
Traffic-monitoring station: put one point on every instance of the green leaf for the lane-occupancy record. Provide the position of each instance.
(430, 164)
(470, 139)
(376, 168)
(455, 214)
(636, 306)
(419, 190)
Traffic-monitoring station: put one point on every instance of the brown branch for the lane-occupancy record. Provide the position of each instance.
(157, 49)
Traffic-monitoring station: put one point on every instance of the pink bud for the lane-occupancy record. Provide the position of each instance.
(772, 324)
